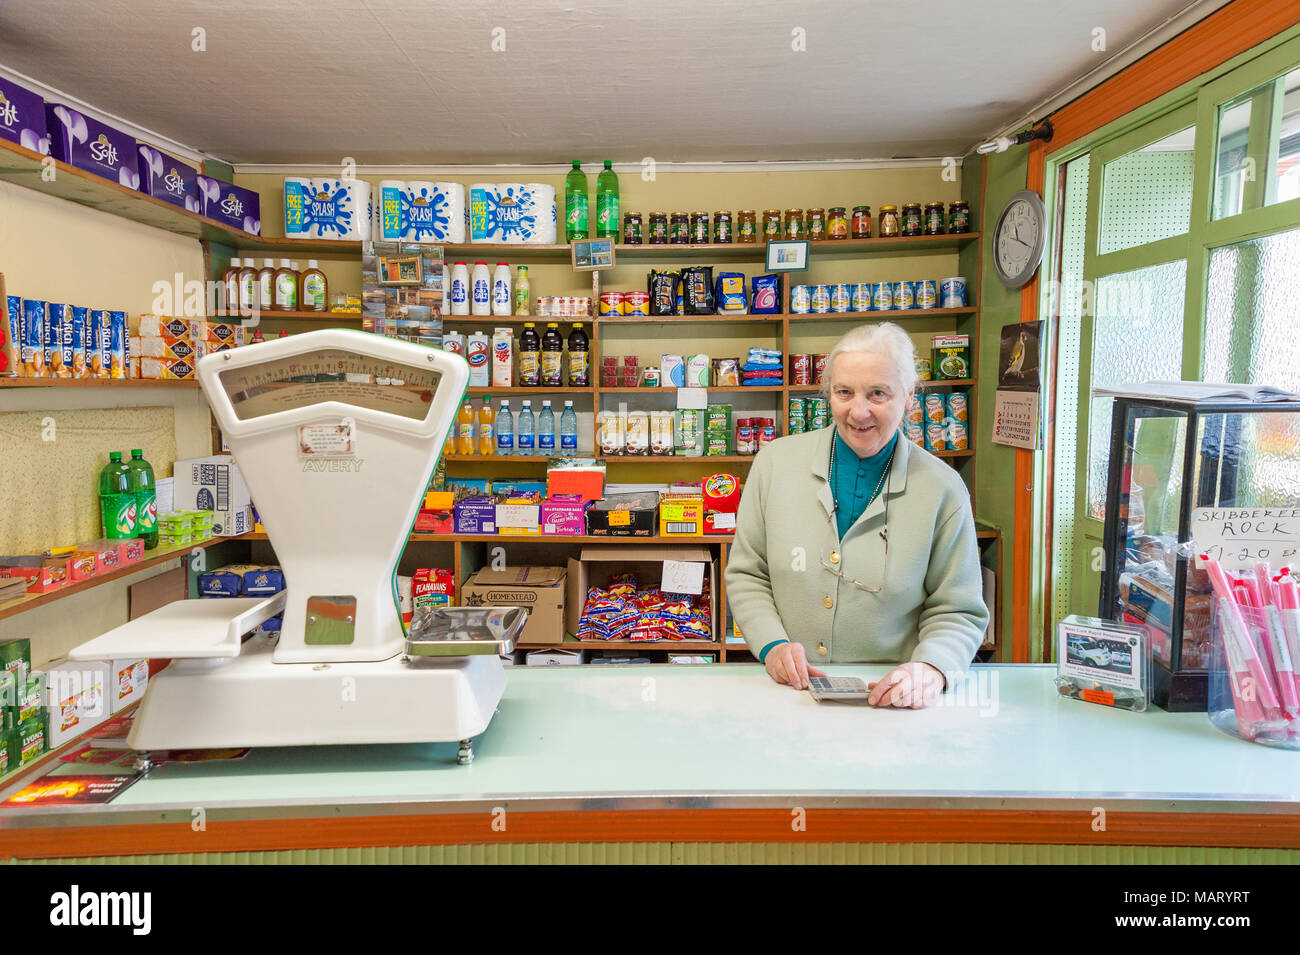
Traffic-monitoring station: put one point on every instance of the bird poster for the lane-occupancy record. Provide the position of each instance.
(1016, 418)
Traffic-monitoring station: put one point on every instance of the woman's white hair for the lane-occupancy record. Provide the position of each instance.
(886, 339)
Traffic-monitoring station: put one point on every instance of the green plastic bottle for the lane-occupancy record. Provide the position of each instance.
(575, 203)
(116, 499)
(607, 203)
(146, 498)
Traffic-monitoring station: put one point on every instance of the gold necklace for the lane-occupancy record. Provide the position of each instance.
(835, 504)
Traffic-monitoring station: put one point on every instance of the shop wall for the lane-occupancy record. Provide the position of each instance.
(54, 440)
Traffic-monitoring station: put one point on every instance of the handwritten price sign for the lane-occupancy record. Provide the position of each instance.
(1239, 537)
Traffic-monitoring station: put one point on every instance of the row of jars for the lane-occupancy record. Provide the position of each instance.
(697, 228)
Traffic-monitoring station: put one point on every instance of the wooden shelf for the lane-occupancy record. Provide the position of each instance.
(529, 390)
(275, 314)
(507, 457)
(773, 319)
(968, 453)
(539, 320)
(724, 389)
(151, 559)
(757, 251)
(921, 385)
(633, 458)
(535, 538)
(713, 645)
(881, 316)
(96, 382)
(45, 760)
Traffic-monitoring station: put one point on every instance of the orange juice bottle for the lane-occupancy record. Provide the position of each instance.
(465, 429)
(487, 439)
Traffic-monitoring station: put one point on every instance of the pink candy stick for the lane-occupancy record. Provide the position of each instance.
(1277, 649)
(1245, 663)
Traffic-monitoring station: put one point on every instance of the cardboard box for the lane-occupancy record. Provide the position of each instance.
(89, 144)
(163, 325)
(167, 178)
(518, 517)
(476, 515)
(553, 658)
(596, 563)
(214, 484)
(167, 369)
(28, 743)
(169, 347)
(435, 522)
(565, 514)
(539, 590)
(624, 515)
(22, 117)
(233, 205)
(582, 476)
(127, 681)
(220, 333)
(16, 658)
(76, 567)
(106, 555)
(681, 516)
(439, 500)
(40, 580)
(76, 698)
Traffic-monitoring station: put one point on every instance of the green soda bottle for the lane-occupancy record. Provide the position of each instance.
(116, 499)
(607, 220)
(575, 203)
(146, 498)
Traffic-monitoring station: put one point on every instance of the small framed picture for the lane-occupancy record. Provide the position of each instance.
(401, 270)
(592, 255)
(787, 255)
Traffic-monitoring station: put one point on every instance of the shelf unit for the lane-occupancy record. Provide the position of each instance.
(96, 382)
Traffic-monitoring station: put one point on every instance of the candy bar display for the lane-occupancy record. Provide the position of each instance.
(624, 610)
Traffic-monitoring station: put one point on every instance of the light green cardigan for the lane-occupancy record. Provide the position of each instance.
(932, 606)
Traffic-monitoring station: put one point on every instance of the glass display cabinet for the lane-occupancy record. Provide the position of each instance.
(1175, 447)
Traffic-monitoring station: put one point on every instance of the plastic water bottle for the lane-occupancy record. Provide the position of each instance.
(480, 290)
(505, 429)
(546, 430)
(501, 292)
(146, 498)
(116, 499)
(526, 428)
(568, 431)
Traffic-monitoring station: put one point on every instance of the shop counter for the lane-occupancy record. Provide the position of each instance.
(689, 755)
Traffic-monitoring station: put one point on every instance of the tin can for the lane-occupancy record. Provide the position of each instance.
(801, 299)
(923, 369)
(882, 297)
(611, 303)
(936, 437)
(819, 414)
(800, 370)
(795, 414)
(636, 304)
(952, 292)
(821, 299)
(904, 295)
(914, 433)
(841, 298)
(819, 369)
(700, 228)
(913, 414)
(926, 294)
(958, 436)
(650, 376)
(957, 410)
(936, 409)
(862, 297)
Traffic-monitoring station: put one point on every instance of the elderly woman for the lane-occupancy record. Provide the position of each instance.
(853, 545)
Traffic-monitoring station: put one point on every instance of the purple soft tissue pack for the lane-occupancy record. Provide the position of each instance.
(91, 145)
(169, 179)
(233, 205)
(22, 118)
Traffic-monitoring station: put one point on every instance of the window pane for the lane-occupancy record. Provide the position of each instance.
(1146, 195)
(1285, 183)
(1233, 169)
(1258, 158)
(1137, 336)
(1251, 306)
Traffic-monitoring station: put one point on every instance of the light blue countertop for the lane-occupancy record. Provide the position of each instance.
(728, 736)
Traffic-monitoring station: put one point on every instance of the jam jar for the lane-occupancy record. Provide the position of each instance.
(771, 224)
(746, 226)
(722, 228)
(679, 229)
(933, 219)
(632, 233)
(794, 224)
(910, 222)
(658, 228)
(837, 223)
(861, 226)
(815, 223)
(889, 222)
(699, 228)
(958, 217)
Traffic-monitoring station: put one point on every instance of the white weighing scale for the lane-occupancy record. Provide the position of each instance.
(336, 434)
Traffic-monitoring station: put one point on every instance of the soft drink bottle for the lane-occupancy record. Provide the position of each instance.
(575, 203)
(486, 437)
(530, 362)
(116, 499)
(552, 356)
(505, 429)
(568, 431)
(523, 290)
(607, 220)
(145, 490)
(524, 438)
(579, 358)
(465, 426)
(546, 430)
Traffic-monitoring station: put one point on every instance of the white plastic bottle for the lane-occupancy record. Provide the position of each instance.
(446, 289)
(480, 290)
(501, 297)
(460, 289)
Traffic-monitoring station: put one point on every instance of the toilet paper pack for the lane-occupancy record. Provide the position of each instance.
(510, 212)
(434, 211)
(327, 208)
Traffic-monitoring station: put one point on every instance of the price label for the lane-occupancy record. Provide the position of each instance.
(682, 577)
(1240, 537)
(620, 518)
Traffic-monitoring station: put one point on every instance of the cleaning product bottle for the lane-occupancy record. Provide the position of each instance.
(530, 366)
(575, 203)
(145, 490)
(546, 429)
(116, 499)
(522, 292)
(607, 221)
(266, 285)
(481, 289)
(465, 427)
(505, 424)
(230, 285)
(486, 437)
(248, 291)
(501, 290)
(286, 288)
(552, 356)
(460, 289)
(579, 358)
(524, 438)
(568, 431)
(313, 289)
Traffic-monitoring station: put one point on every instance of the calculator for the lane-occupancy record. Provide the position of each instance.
(844, 689)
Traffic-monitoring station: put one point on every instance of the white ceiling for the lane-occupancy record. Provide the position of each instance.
(417, 81)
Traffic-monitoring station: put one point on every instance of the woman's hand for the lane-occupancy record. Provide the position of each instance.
(788, 663)
(915, 685)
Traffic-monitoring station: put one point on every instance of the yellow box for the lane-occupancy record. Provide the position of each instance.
(439, 500)
(681, 516)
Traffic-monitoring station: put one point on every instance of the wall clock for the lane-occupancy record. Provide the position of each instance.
(1019, 239)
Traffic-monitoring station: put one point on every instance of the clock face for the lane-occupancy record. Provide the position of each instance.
(1018, 244)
